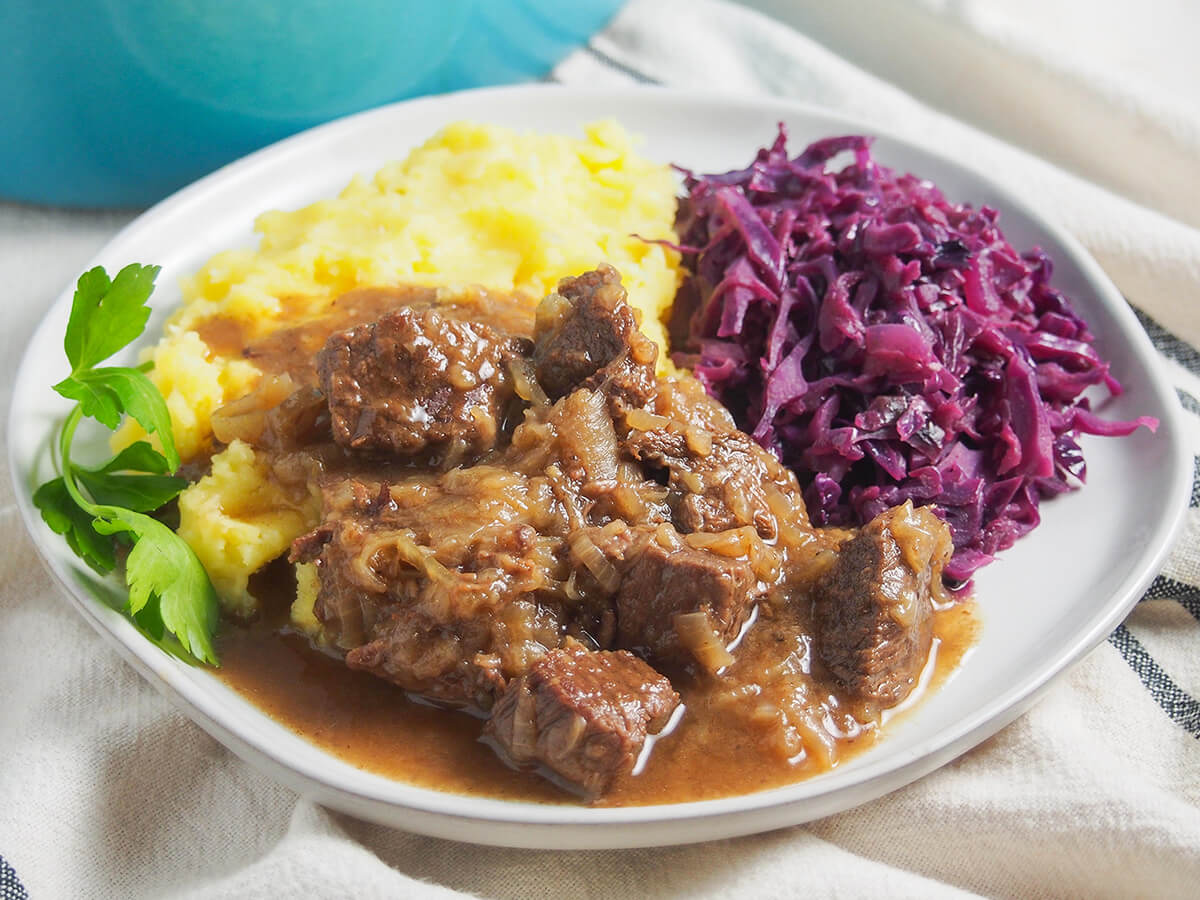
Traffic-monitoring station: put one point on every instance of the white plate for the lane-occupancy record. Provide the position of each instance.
(1044, 604)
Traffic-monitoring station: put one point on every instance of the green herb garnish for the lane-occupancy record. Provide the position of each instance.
(97, 510)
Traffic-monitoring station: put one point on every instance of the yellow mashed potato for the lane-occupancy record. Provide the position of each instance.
(303, 613)
(476, 204)
(238, 518)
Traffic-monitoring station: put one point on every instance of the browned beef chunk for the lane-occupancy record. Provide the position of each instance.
(459, 663)
(719, 481)
(873, 612)
(674, 603)
(663, 586)
(586, 335)
(417, 382)
(435, 583)
(582, 714)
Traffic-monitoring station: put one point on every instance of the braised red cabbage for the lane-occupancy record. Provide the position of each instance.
(887, 344)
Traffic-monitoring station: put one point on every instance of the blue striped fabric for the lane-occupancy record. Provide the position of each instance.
(10, 886)
(1183, 709)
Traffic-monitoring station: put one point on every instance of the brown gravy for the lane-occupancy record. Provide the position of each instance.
(375, 726)
(293, 348)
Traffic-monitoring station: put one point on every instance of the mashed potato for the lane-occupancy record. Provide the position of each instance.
(303, 613)
(476, 204)
(238, 519)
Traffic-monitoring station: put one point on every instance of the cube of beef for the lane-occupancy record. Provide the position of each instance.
(586, 335)
(719, 481)
(457, 663)
(418, 382)
(433, 584)
(872, 611)
(674, 603)
(682, 604)
(582, 714)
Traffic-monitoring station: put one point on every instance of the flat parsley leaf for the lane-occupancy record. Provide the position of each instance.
(64, 517)
(166, 581)
(107, 315)
(106, 393)
(136, 478)
(171, 599)
(137, 457)
(93, 397)
(141, 493)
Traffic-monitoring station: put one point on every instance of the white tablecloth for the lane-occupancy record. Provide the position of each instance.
(106, 790)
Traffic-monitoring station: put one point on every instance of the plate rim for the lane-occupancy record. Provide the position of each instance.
(444, 814)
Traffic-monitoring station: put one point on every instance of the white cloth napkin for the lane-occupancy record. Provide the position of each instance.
(107, 791)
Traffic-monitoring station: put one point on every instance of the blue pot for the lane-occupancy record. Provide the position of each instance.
(120, 102)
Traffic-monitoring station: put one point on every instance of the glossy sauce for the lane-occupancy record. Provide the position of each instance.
(369, 723)
(375, 726)
(293, 349)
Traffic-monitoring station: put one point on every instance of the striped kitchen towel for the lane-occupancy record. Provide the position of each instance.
(10, 886)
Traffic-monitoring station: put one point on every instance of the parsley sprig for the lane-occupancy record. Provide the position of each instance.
(101, 509)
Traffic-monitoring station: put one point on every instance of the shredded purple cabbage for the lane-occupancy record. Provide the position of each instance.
(888, 345)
